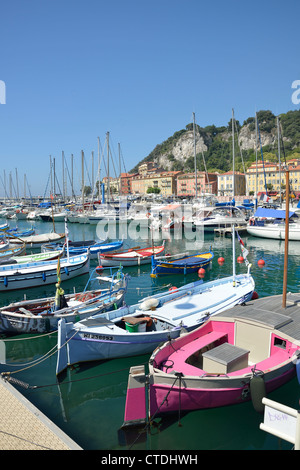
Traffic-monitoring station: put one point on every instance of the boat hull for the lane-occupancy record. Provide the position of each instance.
(195, 394)
(24, 276)
(275, 232)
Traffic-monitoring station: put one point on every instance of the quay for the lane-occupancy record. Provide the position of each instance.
(24, 427)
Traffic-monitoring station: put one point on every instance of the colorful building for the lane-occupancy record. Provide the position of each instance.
(206, 183)
(226, 187)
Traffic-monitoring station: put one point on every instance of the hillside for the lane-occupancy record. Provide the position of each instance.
(214, 144)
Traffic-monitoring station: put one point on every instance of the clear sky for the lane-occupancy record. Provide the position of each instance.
(77, 69)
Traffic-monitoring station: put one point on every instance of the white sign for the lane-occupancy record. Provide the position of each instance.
(281, 421)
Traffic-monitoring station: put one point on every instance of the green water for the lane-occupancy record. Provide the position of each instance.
(89, 402)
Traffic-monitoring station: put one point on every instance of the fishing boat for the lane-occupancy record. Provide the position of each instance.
(80, 247)
(15, 232)
(270, 223)
(181, 263)
(9, 250)
(131, 257)
(42, 315)
(35, 257)
(236, 356)
(36, 241)
(24, 276)
(140, 328)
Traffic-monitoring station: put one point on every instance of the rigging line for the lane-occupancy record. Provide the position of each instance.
(67, 382)
(32, 362)
(31, 337)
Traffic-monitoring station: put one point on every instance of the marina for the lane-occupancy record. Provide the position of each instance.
(95, 392)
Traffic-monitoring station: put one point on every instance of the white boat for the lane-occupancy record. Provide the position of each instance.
(220, 217)
(42, 315)
(24, 276)
(270, 223)
(139, 329)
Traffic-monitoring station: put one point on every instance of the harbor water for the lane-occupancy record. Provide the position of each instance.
(88, 401)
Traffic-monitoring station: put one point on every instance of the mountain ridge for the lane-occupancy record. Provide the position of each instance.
(214, 144)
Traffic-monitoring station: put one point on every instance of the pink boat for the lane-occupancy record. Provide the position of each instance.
(239, 355)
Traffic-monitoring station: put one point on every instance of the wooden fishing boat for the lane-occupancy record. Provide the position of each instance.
(132, 257)
(35, 257)
(36, 241)
(80, 247)
(24, 276)
(180, 264)
(236, 356)
(42, 315)
(11, 250)
(139, 329)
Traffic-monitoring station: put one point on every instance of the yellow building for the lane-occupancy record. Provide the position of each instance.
(225, 184)
(269, 174)
(165, 181)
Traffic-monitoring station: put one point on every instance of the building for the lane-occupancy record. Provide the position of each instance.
(206, 183)
(267, 174)
(164, 181)
(225, 184)
(126, 182)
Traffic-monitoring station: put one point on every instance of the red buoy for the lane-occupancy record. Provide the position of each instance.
(254, 295)
(221, 260)
(173, 289)
(201, 272)
(261, 262)
(99, 269)
(240, 259)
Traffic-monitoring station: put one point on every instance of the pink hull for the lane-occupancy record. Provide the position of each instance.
(195, 399)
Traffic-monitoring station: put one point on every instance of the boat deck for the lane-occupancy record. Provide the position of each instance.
(269, 310)
(24, 427)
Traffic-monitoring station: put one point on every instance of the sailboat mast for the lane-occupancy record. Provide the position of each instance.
(82, 176)
(279, 161)
(286, 241)
(108, 185)
(196, 179)
(256, 176)
(233, 190)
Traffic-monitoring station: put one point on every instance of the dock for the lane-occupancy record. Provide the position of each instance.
(24, 427)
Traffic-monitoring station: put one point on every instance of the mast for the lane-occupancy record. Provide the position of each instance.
(108, 186)
(279, 161)
(256, 177)
(63, 174)
(286, 240)
(120, 179)
(82, 176)
(196, 180)
(233, 190)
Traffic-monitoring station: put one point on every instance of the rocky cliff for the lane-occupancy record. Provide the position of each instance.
(214, 144)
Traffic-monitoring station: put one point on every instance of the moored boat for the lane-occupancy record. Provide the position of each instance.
(139, 329)
(42, 315)
(24, 276)
(236, 356)
(181, 264)
(131, 257)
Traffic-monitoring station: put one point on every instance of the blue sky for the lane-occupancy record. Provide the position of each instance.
(76, 69)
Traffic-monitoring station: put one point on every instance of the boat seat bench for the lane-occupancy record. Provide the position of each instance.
(180, 356)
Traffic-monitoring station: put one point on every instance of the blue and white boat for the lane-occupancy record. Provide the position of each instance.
(78, 248)
(270, 223)
(39, 273)
(180, 264)
(140, 328)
